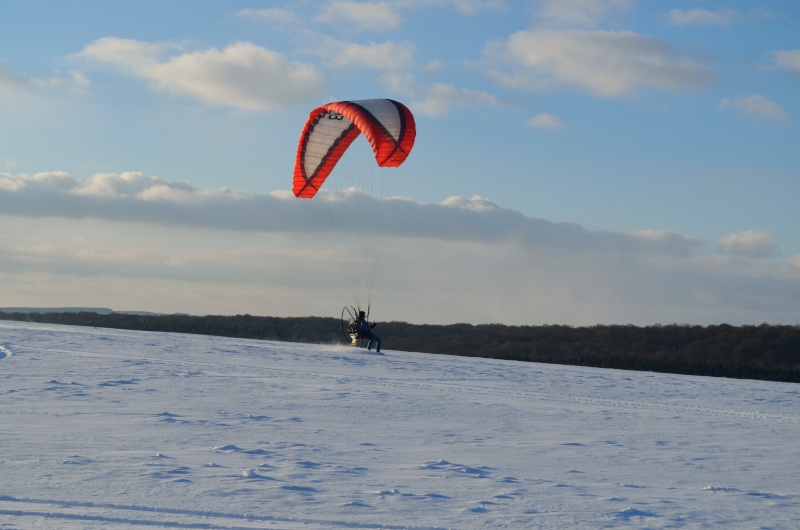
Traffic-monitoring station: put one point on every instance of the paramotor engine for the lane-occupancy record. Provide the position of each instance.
(351, 331)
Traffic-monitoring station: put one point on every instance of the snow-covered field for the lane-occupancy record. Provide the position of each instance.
(121, 429)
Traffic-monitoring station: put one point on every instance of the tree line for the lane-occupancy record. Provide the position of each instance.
(766, 352)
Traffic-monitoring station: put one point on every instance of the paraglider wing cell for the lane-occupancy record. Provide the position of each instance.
(330, 129)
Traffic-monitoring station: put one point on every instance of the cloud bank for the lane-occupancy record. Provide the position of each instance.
(136, 197)
(156, 244)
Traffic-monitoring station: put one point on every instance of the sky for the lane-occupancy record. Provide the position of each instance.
(577, 162)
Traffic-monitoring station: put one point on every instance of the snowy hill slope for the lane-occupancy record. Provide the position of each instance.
(107, 428)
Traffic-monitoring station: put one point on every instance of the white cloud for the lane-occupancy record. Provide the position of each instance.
(750, 243)
(605, 63)
(665, 241)
(433, 67)
(371, 16)
(128, 197)
(242, 75)
(386, 56)
(788, 59)
(10, 162)
(465, 7)
(11, 80)
(272, 15)
(474, 204)
(470, 7)
(134, 55)
(755, 106)
(73, 82)
(700, 17)
(579, 13)
(545, 121)
(439, 98)
(400, 83)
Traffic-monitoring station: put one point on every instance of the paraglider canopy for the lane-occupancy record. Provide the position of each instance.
(358, 210)
(330, 129)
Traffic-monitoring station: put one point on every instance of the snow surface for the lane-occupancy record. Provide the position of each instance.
(122, 429)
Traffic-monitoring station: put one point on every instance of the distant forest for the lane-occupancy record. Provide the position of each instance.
(765, 352)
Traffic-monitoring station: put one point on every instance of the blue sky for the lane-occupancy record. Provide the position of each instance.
(577, 161)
